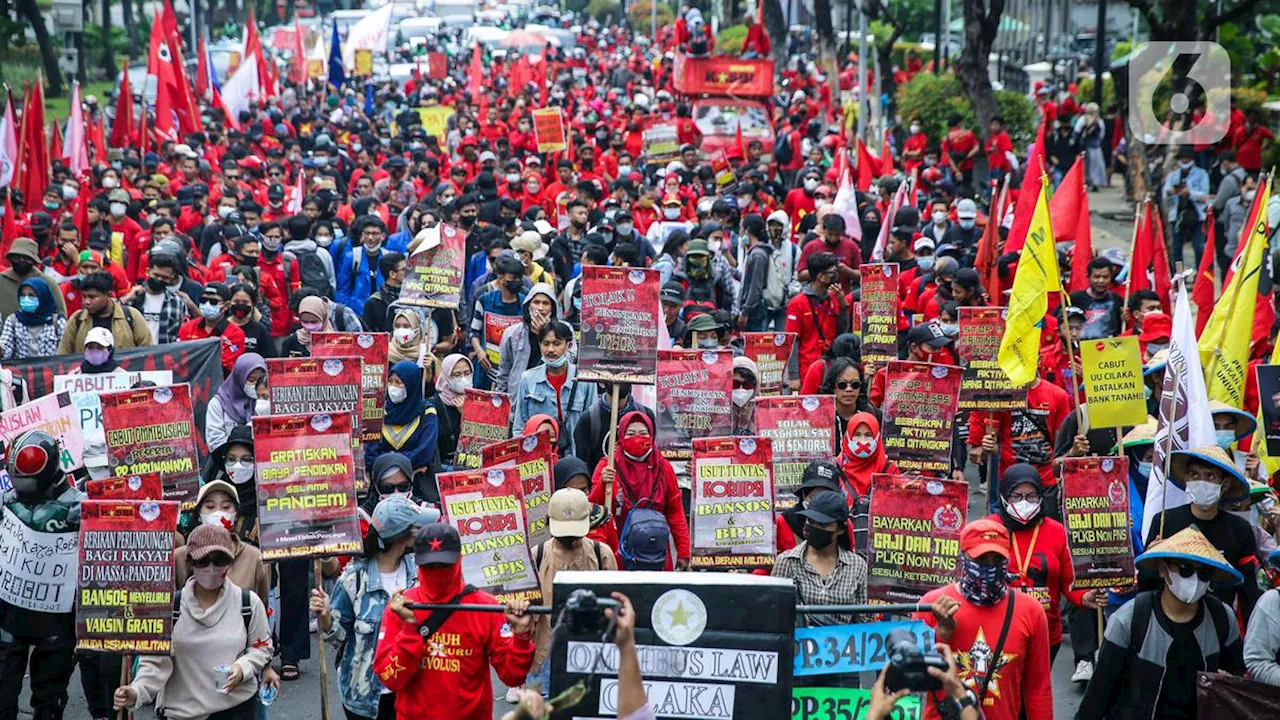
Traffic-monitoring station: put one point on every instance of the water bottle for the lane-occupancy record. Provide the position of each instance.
(267, 693)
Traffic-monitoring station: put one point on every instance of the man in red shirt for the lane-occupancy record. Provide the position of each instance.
(213, 322)
(820, 313)
(1025, 435)
(687, 132)
(913, 149)
(998, 145)
(1007, 670)
(1249, 141)
(847, 253)
(799, 201)
(958, 149)
(757, 44)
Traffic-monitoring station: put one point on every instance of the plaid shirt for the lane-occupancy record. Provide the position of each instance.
(173, 312)
(18, 342)
(846, 585)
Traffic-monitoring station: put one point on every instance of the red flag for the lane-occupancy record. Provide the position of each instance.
(98, 136)
(8, 232)
(122, 131)
(742, 146)
(298, 70)
(1069, 209)
(1161, 270)
(867, 165)
(521, 76)
(80, 216)
(989, 253)
(886, 154)
(253, 44)
(1028, 195)
(475, 77)
(55, 141)
(760, 12)
(160, 63)
(1202, 292)
(1149, 255)
(202, 70)
(33, 167)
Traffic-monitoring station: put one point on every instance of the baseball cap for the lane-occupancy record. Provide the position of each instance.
(99, 336)
(673, 292)
(966, 278)
(966, 209)
(820, 474)
(983, 536)
(930, 333)
(488, 155)
(1156, 325)
(217, 486)
(826, 506)
(923, 243)
(395, 514)
(569, 514)
(437, 544)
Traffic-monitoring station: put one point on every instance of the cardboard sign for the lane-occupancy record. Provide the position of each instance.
(487, 509)
(620, 318)
(85, 390)
(364, 62)
(372, 350)
(1095, 511)
(914, 536)
(44, 585)
(147, 486)
(723, 75)
(802, 429)
(54, 414)
(306, 486)
(1112, 369)
(731, 515)
(548, 128)
(661, 144)
(151, 430)
(486, 419)
(436, 269)
(303, 386)
(316, 69)
(435, 120)
(860, 647)
(126, 577)
(532, 456)
(770, 352)
(919, 409)
(880, 312)
(1269, 405)
(818, 703)
(985, 385)
(437, 65)
(693, 399)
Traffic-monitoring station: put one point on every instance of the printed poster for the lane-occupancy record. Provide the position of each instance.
(985, 385)
(731, 516)
(822, 703)
(919, 411)
(485, 506)
(1112, 370)
(306, 486)
(436, 269)
(693, 399)
(494, 325)
(486, 419)
(661, 144)
(303, 386)
(435, 120)
(859, 647)
(45, 586)
(126, 582)
(371, 348)
(147, 486)
(620, 319)
(151, 430)
(1269, 402)
(54, 414)
(914, 536)
(801, 429)
(880, 312)
(1095, 511)
(548, 128)
(770, 352)
(533, 457)
(85, 391)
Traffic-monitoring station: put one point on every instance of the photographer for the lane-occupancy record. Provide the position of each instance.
(961, 703)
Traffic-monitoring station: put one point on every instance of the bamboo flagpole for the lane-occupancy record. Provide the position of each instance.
(324, 664)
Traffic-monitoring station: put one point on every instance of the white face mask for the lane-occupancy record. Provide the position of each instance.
(224, 210)
(1188, 590)
(1204, 494)
(513, 178)
(939, 217)
(671, 213)
(110, 182)
(118, 209)
(324, 240)
(714, 246)
(624, 171)
(915, 129)
(1023, 510)
(625, 229)
(741, 396)
(397, 394)
(218, 518)
(250, 390)
(69, 192)
(404, 335)
(810, 184)
(262, 407)
(460, 384)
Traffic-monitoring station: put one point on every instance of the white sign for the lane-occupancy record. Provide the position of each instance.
(675, 699)
(53, 414)
(684, 663)
(678, 617)
(85, 390)
(37, 569)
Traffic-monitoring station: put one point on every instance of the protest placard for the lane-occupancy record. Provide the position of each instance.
(435, 120)
(860, 647)
(802, 429)
(661, 143)
(914, 536)
(147, 486)
(364, 62)
(722, 170)
(85, 390)
(486, 419)
(54, 414)
(548, 129)
(306, 487)
(880, 313)
(1112, 370)
(302, 386)
(620, 318)
(371, 348)
(1095, 511)
(820, 703)
(985, 386)
(126, 577)
(693, 399)
(486, 507)
(437, 65)
(1269, 404)
(531, 455)
(436, 269)
(48, 585)
(732, 505)
(770, 352)
(151, 430)
(919, 410)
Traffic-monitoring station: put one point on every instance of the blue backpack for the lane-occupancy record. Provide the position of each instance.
(645, 538)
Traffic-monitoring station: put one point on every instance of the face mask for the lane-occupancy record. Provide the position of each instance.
(983, 584)
(224, 211)
(861, 448)
(810, 184)
(817, 537)
(117, 209)
(1188, 590)
(156, 286)
(624, 170)
(513, 178)
(355, 148)
(967, 224)
(69, 192)
(1204, 494)
(218, 518)
(262, 407)
(26, 303)
(460, 384)
(1144, 469)
(110, 182)
(241, 310)
(513, 286)
(637, 447)
(211, 577)
(312, 326)
(397, 394)
(209, 311)
(625, 229)
(1225, 438)
(467, 221)
(714, 246)
(51, 205)
(925, 263)
(322, 161)
(97, 357)
(939, 217)
(820, 203)
(270, 244)
(324, 240)
(741, 396)
(915, 129)
(404, 336)
(558, 362)
(671, 213)
(1023, 510)
(708, 344)
(1248, 196)
(1186, 165)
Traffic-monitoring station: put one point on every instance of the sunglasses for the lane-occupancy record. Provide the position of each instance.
(1186, 570)
(403, 487)
(217, 560)
(744, 384)
(849, 385)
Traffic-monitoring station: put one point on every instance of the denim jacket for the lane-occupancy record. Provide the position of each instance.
(357, 604)
(536, 396)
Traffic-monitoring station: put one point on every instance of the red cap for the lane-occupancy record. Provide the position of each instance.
(983, 536)
(1156, 325)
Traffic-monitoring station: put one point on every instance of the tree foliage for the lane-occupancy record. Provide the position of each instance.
(640, 14)
(931, 98)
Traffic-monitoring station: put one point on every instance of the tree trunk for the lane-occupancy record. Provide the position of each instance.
(981, 23)
(108, 53)
(776, 25)
(827, 50)
(889, 84)
(53, 76)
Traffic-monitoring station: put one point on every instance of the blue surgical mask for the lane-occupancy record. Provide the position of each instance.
(1144, 469)
(1225, 438)
(27, 303)
(967, 224)
(925, 263)
(558, 362)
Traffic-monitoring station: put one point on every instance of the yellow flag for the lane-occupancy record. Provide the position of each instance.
(1037, 276)
(1269, 464)
(1224, 344)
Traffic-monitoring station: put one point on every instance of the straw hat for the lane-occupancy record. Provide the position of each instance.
(1157, 363)
(1212, 455)
(1257, 491)
(1245, 423)
(1189, 544)
(1144, 434)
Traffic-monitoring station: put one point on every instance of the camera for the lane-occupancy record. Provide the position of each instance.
(585, 612)
(909, 665)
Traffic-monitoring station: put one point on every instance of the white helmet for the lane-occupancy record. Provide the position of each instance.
(797, 97)
(641, 101)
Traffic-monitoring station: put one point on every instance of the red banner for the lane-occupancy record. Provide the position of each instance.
(880, 311)
(919, 410)
(548, 128)
(985, 385)
(485, 506)
(532, 456)
(693, 397)
(437, 65)
(620, 318)
(723, 75)
(151, 430)
(303, 386)
(147, 486)
(1095, 511)
(306, 486)
(486, 419)
(731, 516)
(126, 582)
(436, 269)
(914, 536)
(371, 348)
(802, 429)
(770, 352)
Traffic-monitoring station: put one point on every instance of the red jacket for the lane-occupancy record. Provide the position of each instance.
(815, 323)
(672, 508)
(232, 340)
(758, 40)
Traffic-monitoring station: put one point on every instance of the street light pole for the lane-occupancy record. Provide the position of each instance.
(1099, 51)
(863, 104)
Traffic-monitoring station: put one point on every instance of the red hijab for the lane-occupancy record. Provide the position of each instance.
(638, 480)
(858, 471)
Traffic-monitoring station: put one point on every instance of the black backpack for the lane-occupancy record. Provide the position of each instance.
(782, 149)
(310, 269)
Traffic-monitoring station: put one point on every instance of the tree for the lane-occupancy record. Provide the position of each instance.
(776, 25)
(981, 23)
(108, 61)
(894, 22)
(31, 11)
(827, 52)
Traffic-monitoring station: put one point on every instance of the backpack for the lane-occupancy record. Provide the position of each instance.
(777, 279)
(1142, 612)
(782, 150)
(644, 526)
(310, 271)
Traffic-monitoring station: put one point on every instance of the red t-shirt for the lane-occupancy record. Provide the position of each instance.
(1032, 431)
(233, 339)
(960, 142)
(557, 383)
(1043, 564)
(997, 146)
(846, 252)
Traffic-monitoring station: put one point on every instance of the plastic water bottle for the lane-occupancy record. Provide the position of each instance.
(267, 693)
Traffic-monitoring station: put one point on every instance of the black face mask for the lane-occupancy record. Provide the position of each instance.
(467, 221)
(513, 286)
(22, 266)
(156, 285)
(249, 261)
(566, 542)
(817, 537)
(241, 310)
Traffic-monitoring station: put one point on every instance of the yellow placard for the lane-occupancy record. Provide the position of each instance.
(315, 69)
(1112, 369)
(435, 120)
(364, 62)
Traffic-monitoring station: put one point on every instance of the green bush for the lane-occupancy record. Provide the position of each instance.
(900, 50)
(575, 6)
(604, 10)
(731, 39)
(640, 14)
(1020, 117)
(1084, 91)
(933, 97)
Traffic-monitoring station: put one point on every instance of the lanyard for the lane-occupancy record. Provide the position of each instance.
(1031, 549)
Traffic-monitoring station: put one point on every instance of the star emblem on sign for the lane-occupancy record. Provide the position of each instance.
(723, 77)
(436, 543)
